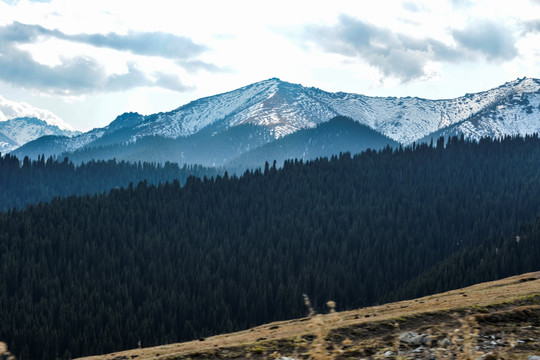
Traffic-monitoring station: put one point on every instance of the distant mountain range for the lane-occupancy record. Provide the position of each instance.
(19, 131)
(275, 120)
(21, 122)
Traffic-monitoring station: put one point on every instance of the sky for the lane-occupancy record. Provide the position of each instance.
(90, 61)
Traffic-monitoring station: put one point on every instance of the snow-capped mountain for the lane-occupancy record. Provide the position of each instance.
(285, 108)
(410, 119)
(273, 109)
(514, 112)
(281, 107)
(20, 131)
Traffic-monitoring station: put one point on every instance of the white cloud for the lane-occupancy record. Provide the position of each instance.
(83, 74)
(11, 109)
(493, 40)
(239, 42)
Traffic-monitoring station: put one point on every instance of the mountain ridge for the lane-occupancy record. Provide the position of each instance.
(22, 130)
(324, 105)
(280, 109)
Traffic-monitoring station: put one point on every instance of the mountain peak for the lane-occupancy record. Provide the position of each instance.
(272, 83)
(29, 120)
(24, 129)
(524, 85)
(275, 82)
(127, 119)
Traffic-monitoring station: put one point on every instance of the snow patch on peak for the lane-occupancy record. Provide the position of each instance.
(527, 85)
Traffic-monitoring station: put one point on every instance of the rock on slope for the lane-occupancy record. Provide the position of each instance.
(494, 320)
(4, 353)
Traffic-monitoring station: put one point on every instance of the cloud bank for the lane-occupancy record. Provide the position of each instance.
(81, 75)
(11, 109)
(141, 43)
(405, 57)
(490, 39)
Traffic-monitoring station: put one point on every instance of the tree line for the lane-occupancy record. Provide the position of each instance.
(31, 181)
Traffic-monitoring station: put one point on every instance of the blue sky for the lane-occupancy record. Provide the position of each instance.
(89, 61)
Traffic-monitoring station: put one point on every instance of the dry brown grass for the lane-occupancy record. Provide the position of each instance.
(4, 353)
(369, 332)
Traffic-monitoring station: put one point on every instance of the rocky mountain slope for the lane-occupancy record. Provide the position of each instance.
(7, 143)
(515, 105)
(493, 320)
(274, 109)
(340, 134)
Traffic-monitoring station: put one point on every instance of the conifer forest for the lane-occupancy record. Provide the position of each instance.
(169, 254)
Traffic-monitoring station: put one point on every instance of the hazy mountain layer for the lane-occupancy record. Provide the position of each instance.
(20, 131)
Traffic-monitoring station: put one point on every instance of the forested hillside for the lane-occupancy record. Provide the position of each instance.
(30, 182)
(338, 135)
(491, 259)
(96, 274)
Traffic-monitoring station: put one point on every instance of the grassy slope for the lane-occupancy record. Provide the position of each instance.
(461, 324)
